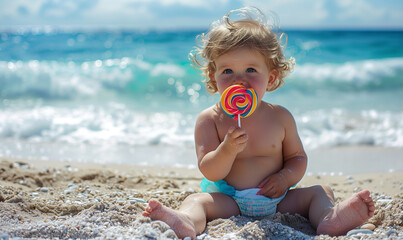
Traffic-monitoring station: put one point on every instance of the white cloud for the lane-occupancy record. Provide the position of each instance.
(334, 14)
(197, 13)
(188, 3)
(10, 11)
(10, 8)
(293, 12)
(101, 13)
(193, 3)
(359, 9)
(107, 12)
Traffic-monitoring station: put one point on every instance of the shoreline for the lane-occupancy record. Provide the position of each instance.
(355, 160)
(342, 160)
(48, 199)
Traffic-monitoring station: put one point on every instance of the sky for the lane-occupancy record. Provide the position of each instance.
(196, 14)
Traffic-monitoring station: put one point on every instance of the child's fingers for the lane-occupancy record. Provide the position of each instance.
(237, 138)
(266, 191)
(242, 139)
(270, 192)
(231, 129)
(264, 182)
(236, 132)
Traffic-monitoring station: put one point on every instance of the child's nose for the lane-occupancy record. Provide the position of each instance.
(240, 80)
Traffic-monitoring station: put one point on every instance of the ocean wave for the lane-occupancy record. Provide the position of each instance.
(69, 80)
(116, 124)
(112, 125)
(366, 74)
(338, 127)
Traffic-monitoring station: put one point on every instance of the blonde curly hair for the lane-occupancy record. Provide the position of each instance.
(251, 30)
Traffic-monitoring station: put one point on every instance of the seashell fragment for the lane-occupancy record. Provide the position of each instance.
(359, 231)
(368, 226)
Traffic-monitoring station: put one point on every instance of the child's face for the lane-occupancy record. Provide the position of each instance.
(243, 66)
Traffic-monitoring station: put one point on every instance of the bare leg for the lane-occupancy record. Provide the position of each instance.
(195, 211)
(317, 204)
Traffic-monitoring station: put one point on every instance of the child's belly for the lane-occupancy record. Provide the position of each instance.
(249, 173)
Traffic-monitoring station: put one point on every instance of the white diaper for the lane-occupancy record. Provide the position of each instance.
(249, 203)
(253, 205)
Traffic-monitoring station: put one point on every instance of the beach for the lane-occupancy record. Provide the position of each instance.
(93, 124)
(58, 200)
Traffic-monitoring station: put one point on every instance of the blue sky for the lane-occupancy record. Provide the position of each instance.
(187, 14)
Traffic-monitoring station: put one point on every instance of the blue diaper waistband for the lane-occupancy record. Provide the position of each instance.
(222, 186)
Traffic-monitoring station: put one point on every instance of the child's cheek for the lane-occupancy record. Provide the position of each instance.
(225, 77)
(260, 92)
(224, 81)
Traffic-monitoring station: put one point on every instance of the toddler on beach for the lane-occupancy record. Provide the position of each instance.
(249, 170)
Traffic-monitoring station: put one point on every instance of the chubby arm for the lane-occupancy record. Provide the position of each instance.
(215, 158)
(294, 158)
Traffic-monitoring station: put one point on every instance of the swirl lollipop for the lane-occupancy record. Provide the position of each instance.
(238, 102)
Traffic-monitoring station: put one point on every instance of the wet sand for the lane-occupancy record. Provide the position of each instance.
(50, 199)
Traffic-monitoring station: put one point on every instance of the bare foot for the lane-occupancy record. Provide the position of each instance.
(179, 222)
(347, 215)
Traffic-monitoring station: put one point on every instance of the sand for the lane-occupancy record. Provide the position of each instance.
(49, 199)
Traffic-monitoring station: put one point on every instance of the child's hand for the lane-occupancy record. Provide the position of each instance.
(273, 186)
(236, 139)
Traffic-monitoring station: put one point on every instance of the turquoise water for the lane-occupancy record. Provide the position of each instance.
(114, 90)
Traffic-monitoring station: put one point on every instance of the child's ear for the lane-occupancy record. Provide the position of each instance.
(211, 76)
(272, 78)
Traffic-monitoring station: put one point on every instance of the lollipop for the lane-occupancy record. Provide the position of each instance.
(238, 102)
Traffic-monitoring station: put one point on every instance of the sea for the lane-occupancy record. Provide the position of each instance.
(128, 96)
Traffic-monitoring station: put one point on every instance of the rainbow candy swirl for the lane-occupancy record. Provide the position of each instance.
(237, 100)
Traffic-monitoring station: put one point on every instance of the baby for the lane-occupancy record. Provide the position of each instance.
(249, 170)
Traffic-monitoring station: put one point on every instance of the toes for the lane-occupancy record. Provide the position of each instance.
(372, 208)
(371, 211)
(148, 209)
(366, 198)
(364, 195)
(154, 204)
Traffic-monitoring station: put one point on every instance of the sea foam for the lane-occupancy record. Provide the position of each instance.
(55, 80)
(117, 124)
(372, 74)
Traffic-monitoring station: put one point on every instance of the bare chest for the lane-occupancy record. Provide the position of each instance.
(265, 136)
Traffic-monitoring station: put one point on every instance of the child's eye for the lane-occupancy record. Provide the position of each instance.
(249, 70)
(227, 71)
